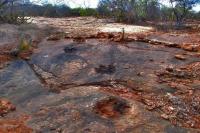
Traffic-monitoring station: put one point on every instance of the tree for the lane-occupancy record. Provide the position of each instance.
(121, 10)
(103, 9)
(130, 10)
(181, 9)
(147, 9)
(10, 11)
(2, 3)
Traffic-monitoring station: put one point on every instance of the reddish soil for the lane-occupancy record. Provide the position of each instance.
(4, 58)
(14, 126)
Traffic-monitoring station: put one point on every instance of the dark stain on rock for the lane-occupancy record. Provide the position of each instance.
(111, 107)
(102, 69)
(70, 49)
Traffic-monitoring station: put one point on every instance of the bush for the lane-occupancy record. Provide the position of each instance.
(10, 13)
(24, 45)
(129, 10)
(83, 12)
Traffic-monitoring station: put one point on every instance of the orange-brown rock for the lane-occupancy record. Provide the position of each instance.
(180, 57)
(6, 107)
(191, 47)
(14, 126)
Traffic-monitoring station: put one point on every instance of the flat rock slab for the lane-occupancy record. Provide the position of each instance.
(19, 83)
(72, 110)
(75, 109)
(69, 111)
(72, 63)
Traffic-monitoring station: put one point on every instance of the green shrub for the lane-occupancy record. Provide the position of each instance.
(83, 12)
(24, 45)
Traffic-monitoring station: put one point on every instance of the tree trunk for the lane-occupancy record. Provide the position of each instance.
(179, 22)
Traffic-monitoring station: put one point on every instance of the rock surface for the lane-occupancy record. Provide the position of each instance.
(76, 107)
(100, 86)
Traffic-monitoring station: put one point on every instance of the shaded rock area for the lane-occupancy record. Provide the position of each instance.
(105, 69)
(95, 85)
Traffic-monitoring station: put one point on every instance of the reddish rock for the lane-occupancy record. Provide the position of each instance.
(191, 47)
(6, 107)
(14, 126)
(111, 107)
(180, 57)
